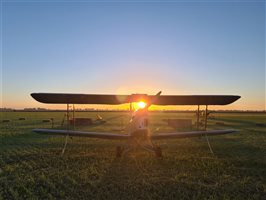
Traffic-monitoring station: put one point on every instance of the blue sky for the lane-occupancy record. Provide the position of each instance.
(132, 47)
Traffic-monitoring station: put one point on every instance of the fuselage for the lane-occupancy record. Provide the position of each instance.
(139, 124)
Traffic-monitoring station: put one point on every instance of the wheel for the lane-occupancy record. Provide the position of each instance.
(119, 151)
(158, 152)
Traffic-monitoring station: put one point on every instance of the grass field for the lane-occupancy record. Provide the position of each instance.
(32, 167)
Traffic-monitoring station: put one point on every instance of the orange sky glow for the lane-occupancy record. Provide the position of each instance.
(187, 49)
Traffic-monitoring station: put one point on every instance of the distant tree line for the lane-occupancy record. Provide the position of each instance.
(122, 110)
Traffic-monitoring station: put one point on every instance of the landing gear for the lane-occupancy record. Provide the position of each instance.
(158, 152)
(119, 151)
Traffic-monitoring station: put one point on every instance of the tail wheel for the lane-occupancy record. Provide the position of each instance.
(119, 151)
(158, 152)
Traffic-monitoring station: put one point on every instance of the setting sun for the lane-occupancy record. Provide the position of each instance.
(141, 104)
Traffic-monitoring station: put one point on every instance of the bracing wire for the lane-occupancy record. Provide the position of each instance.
(207, 138)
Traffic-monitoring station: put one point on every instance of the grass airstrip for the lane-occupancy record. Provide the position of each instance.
(32, 167)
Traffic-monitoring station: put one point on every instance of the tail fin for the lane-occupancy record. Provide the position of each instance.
(154, 99)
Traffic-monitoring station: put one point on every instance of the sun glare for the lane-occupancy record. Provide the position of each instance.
(141, 104)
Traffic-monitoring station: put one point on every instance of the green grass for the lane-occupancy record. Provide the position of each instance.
(31, 165)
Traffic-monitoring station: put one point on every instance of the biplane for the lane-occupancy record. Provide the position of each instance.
(139, 135)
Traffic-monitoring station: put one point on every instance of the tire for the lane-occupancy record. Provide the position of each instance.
(158, 152)
(119, 151)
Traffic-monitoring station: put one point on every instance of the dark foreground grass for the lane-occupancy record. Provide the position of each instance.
(31, 165)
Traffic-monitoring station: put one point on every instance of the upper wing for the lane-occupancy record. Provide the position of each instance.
(58, 98)
(120, 99)
(196, 99)
(82, 134)
(190, 134)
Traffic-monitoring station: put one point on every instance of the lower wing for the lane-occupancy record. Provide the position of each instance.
(190, 134)
(112, 136)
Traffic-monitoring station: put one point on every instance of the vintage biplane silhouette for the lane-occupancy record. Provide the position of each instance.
(139, 135)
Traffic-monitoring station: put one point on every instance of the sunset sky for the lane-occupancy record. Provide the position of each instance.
(117, 47)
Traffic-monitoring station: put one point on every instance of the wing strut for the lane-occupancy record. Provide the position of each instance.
(206, 117)
(206, 136)
(205, 124)
(74, 123)
(66, 138)
(198, 117)
(64, 148)
(210, 147)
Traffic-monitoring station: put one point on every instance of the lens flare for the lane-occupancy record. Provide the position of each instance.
(141, 104)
